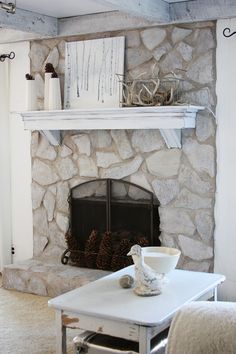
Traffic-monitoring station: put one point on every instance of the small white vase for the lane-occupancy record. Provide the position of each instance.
(54, 94)
(31, 99)
(47, 77)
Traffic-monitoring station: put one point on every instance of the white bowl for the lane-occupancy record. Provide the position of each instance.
(161, 259)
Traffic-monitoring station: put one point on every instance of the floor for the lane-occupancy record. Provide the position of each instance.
(27, 324)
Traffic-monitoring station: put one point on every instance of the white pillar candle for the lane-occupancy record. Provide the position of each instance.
(47, 77)
(54, 94)
(31, 99)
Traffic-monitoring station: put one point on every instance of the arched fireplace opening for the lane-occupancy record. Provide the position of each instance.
(108, 216)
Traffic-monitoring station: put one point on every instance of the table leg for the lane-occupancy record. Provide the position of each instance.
(60, 334)
(144, 341)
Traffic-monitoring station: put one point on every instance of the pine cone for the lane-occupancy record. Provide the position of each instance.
(142, 241)
(78, 258)
(49, 68)
(71, 241)
(91, 249)
(119, 259)
(105, 252)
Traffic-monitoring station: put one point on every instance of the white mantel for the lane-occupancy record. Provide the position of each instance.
(169, 119)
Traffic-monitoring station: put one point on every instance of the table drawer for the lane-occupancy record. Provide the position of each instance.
(93, 343)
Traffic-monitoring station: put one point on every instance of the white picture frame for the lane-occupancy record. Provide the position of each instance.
(91, 69)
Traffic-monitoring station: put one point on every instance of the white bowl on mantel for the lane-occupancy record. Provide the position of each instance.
(161, 259)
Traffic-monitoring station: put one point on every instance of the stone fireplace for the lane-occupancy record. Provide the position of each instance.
(182, 180)
(185, 193)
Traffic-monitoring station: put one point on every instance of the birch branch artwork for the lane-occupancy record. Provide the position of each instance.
(91, 70)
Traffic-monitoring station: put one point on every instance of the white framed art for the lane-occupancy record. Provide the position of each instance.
(91, 70)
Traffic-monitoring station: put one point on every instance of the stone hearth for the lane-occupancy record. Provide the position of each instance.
(47, 277)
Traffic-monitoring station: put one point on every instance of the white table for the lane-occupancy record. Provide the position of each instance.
(104, 307)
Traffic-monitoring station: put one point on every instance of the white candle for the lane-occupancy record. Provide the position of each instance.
(31, 99)
(54, 94)
(46, 90)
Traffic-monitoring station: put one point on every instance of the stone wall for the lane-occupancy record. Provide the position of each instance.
(182, 179)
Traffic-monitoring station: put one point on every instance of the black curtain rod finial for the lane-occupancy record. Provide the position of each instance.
(11, 56)
(226, 32)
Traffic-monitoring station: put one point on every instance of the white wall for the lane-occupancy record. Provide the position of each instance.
(225, 210)
(20, 160)
(5, 175)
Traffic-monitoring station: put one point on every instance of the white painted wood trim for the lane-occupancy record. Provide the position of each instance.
(172, 118)
(172, 137)
(28, 21)
(97, 324)
(53, 136)
(165, 117)
(99, 23)
(157, 10)
(201, 10)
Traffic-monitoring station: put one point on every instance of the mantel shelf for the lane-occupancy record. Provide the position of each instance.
(169, 119)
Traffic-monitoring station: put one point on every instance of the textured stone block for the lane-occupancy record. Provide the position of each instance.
(100, 139)
(40, 243)
(201, 156)
(188, 200)
(179, 34)
(65, 151)
(185, 50)
(171, 62)
(37, 193)
(62, 197)
(87, 167)
(201, 70)
(53, 57)
(204, 41)
(123, 170)
(152, 37)
(176, 221)
(38, 54)
(161, 50)
(43, 174)
(205, 127)
(106, 159)
(66, 168)
(136, 56)
(82, 143)
(122, 144)
(45, 149)
(49, 204)
(205, 225)
(132, 39)
(164, 163)
(39, 83)
(62, 221)
(195, 249)
(40, 221)
(147, 140)
(166, 190)
(191, 180)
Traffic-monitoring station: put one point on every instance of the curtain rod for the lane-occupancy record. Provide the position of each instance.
(11, 55)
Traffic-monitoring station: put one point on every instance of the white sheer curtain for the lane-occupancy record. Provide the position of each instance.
(5, 177)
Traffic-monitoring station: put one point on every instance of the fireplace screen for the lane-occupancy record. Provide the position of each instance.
(107, 217)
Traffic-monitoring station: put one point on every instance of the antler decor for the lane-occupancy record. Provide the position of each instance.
(150, 92)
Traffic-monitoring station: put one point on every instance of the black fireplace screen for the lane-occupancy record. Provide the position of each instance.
(108, 216)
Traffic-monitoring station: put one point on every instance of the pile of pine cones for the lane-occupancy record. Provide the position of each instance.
(107, 251)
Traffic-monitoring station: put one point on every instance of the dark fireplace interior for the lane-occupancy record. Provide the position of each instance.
(107, 217)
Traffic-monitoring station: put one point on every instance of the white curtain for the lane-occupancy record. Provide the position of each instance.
(5, 177)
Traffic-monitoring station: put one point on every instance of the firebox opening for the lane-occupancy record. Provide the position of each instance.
(108, 216)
